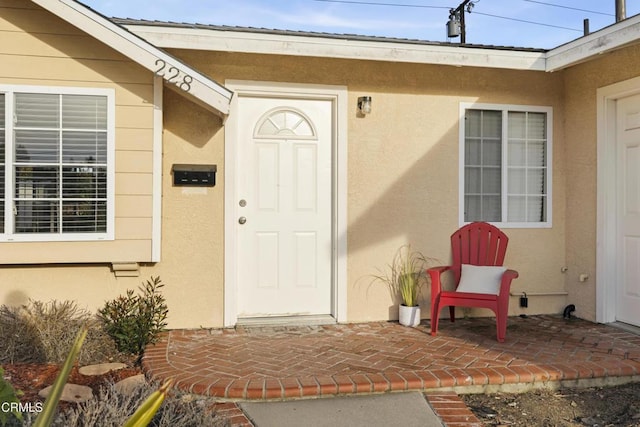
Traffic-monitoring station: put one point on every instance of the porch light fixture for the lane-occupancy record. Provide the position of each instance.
(364, 105)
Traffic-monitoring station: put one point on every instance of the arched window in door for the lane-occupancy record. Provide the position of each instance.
(285, 123)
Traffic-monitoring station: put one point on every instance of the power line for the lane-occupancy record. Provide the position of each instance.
(568, 7)
(527, 22)
(370, 3)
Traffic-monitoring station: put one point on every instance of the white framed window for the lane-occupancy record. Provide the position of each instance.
(505, 165)
(56, 163)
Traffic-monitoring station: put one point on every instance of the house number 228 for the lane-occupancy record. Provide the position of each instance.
(173, 75)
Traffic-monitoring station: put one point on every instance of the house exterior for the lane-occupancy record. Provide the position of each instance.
(115, 130)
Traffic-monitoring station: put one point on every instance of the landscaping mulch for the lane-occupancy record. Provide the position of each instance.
(616, 406)
(30, 378)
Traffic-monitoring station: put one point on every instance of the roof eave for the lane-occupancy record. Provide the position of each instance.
(585, 48)
(178, 37)
(176, 74)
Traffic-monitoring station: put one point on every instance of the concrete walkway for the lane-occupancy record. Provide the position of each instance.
(408, 409)
(319, 361)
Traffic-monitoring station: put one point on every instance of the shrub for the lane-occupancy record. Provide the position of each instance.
(19, 336)
(134, 321)
(142, 413)
(41, 332)
(112, 409)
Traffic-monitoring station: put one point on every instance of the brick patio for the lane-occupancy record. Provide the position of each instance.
(314, 361)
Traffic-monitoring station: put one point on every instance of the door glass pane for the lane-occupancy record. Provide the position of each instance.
(284, 123)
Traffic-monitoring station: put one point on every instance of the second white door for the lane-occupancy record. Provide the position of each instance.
(628, 236)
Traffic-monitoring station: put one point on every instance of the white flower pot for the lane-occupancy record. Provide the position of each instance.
(409, 316)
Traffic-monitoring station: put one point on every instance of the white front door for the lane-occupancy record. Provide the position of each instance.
(284, 205)
(628, 235)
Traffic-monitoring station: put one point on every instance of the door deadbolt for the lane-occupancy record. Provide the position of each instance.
(243, 203)
(242, 220)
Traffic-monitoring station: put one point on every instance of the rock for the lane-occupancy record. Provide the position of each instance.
(127, 385)
(101, 368)
(590, 421)
(70, 393)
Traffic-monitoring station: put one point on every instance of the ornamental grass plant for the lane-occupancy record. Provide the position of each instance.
(405, 276)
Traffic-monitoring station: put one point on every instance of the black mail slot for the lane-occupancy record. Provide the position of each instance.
(194, 175)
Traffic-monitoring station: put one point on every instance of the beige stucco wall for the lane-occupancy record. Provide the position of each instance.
(37, 49)
(402, 172)
(581, 84)
(192, 262)
(403, 168)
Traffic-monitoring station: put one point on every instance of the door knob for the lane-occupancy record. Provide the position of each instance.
(242, 220)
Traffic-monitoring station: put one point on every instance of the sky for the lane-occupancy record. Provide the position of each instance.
(491, 22)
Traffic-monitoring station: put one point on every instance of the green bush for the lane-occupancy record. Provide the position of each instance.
(41, 332)
(134, 321)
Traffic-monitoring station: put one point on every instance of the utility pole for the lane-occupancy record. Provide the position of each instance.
(456, 26)
(621, 10)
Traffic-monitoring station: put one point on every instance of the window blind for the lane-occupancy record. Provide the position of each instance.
(60, 162)
(526, 160)
(522, 171)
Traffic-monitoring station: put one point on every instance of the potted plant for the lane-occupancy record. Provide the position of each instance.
(405, 277)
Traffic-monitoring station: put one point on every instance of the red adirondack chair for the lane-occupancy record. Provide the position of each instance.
(476, 244)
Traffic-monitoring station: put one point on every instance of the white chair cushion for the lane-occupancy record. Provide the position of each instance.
(480, 279)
